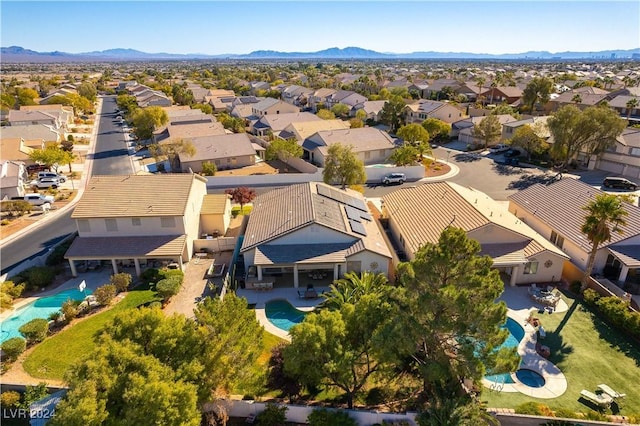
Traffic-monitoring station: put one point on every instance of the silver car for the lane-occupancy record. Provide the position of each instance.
(394, 178)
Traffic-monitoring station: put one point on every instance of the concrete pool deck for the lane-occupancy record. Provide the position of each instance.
(520, 307)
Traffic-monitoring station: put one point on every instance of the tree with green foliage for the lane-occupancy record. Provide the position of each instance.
(26, 96)
(447, 305)
(51, 156)
(146, 120)
(127, 103)
(356, 123)
(352, 287)
(340, 110)
(209, 168)
(591, 131)
(457, 410)
(87, 90)
(392, 113)
(121, 281)
(527, 138)
(342, 345)
(16, 207)
(7, 100)
(35, 331)
(405, 155)
(272, 415)
(326, 114)
(361, 114)
(285, 150)
(416, 135)
(205, 108)
(181, 94)
(343, 166)
(488, 130)
(438, 130)
(277, 377)
(631, 105)
(235, 124)
(538, 90)
(505, 109)
(168, 287)
(33, 393)
(12, 348)
(605, 215)
(172, 151)
(105, 294)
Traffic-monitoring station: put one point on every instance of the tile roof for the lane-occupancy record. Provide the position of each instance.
(630, 137)
(278, 122)
(220, 146)
(559, 205)
(30, 132)
(629, 255)
(214, 204)
(125, 247)
(285, 210)
(136, 196)
(361, 139)
(273, 254)
(304, 129)
(620, 101)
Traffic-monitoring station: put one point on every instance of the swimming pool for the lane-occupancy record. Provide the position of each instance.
(41, 308)
(527, 377)
(283, 315)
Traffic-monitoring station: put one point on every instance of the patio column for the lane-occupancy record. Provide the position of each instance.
(259, 273)
(623, 273)
(296, 284)
(515, 270)
(136, 263)
(114, 264)
(72, 264)
(335, 272)
(180, 263)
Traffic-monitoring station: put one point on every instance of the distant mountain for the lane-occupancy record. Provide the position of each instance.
(19, 54)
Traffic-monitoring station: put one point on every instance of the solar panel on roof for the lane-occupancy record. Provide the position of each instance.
(337, 195)
(352, 214)
(358, 204)
(366, 216)
(357, 227)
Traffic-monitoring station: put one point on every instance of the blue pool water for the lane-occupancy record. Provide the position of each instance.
(41, 308)
(528, 377)
(283, 315)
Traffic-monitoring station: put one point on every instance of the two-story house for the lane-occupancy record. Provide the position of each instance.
(13, 178)
(138, 218)
(422, 109)
(623, 158)
(270, 106)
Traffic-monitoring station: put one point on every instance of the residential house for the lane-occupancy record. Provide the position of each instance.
(274, 124)
(28, 117)
(270, 106)
(144, 219)
(619, 103)
(243, 111)
(199, 92)
(437, 86)
(346, 97)
(28, 132)
(311, 231)
(152, 98)
(64, 114)
(509, 128)
(582, 97)
(418, 215)
(466, 134)
(371, 145)
(296, 95)
(422, 109)
(228, 151)
(502, 94)
(65, 90)
(13, 179)
(257, 86)
(187, 130)
(301, 130)
(215, 215)
(18, 150)
(623, 158)
(419, 87)
(469, 89)
(373, 109)
(319, 98)
(220, 99)
(556, 212)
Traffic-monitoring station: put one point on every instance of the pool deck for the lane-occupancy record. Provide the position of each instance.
(520, 305)
(260, 298)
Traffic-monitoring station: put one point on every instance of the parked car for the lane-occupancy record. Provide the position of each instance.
(36, 199)
(46, 183)
(618, 182)
(501, 147)
(512, 153)
(61, 178)
(35, 168)
(394, 178)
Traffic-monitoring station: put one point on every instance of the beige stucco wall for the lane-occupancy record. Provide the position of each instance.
(367, 258)
(221, 164)
(148, 226)
(192, 214)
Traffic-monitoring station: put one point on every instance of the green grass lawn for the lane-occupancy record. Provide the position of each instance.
(588, 352)
(51, 358)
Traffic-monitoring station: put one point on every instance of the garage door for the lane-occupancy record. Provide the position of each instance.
(633, 172)
(610, 166)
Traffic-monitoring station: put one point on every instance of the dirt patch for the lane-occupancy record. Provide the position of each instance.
(437, 169)
(18, 223)
(262, 168)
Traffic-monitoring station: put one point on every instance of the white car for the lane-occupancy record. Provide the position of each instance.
(46, 183)
(44, 175)
(501, 147)
(394, 178)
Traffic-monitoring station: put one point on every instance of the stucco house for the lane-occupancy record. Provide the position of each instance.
(140, 218)
(623, 158)
(64, 114)
(301, 130)
(276, 123)
(31, 132)
(308, 228)
(555, 211)
(296, 95)
(466, 134)
(422, 109)
(13, 178)
(228, 151)
(18, 149)
(418, 215)
(215, 215)
(371, 108)
(371, 145)
(270, 106)
(27, 117)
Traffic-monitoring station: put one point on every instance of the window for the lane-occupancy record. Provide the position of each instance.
(530, 268)
(556, 239)
(135, 221)
(168, 222)
(635, 151)
(112, 225)
(83, 225)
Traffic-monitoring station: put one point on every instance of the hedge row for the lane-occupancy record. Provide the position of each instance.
(616, 311)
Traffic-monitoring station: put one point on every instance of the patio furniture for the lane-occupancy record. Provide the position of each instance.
(310, 294)
(613, 394)
(602, 400)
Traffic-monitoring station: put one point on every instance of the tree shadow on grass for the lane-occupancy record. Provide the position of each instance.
(467, 157)
(506, 170)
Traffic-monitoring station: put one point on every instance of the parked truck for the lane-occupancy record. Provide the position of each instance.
(36, 199)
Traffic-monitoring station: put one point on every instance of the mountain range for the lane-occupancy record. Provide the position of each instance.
(20, 54)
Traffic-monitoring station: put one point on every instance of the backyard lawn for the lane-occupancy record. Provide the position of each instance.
(51, 358)
(588, 352)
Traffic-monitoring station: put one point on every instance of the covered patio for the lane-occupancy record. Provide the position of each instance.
(141, 251)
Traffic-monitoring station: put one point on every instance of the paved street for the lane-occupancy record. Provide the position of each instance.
(111, 156)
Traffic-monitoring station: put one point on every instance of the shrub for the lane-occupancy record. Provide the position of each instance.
(35, 330)
(37, 277)
(104, 294)
(57, 255)
(273, 415)
(378, 395)
(531, 408)
(55, 316)
(168, 287)
(324, 417)
(121, 281)
(16, 207)
(10, 288)
(9, 399)
(5, 222)
(69, 310)
(594, 415)
(566, 413)
(13, 347)
(590, 296)
(33, 394)
(209, 168)
(575, 287)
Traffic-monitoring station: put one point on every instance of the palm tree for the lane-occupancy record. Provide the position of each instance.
(480, 82)
(631, 104)
(352, 287)
(577, 99)
(605, 215)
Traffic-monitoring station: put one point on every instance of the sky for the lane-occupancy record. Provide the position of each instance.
(238, 27)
